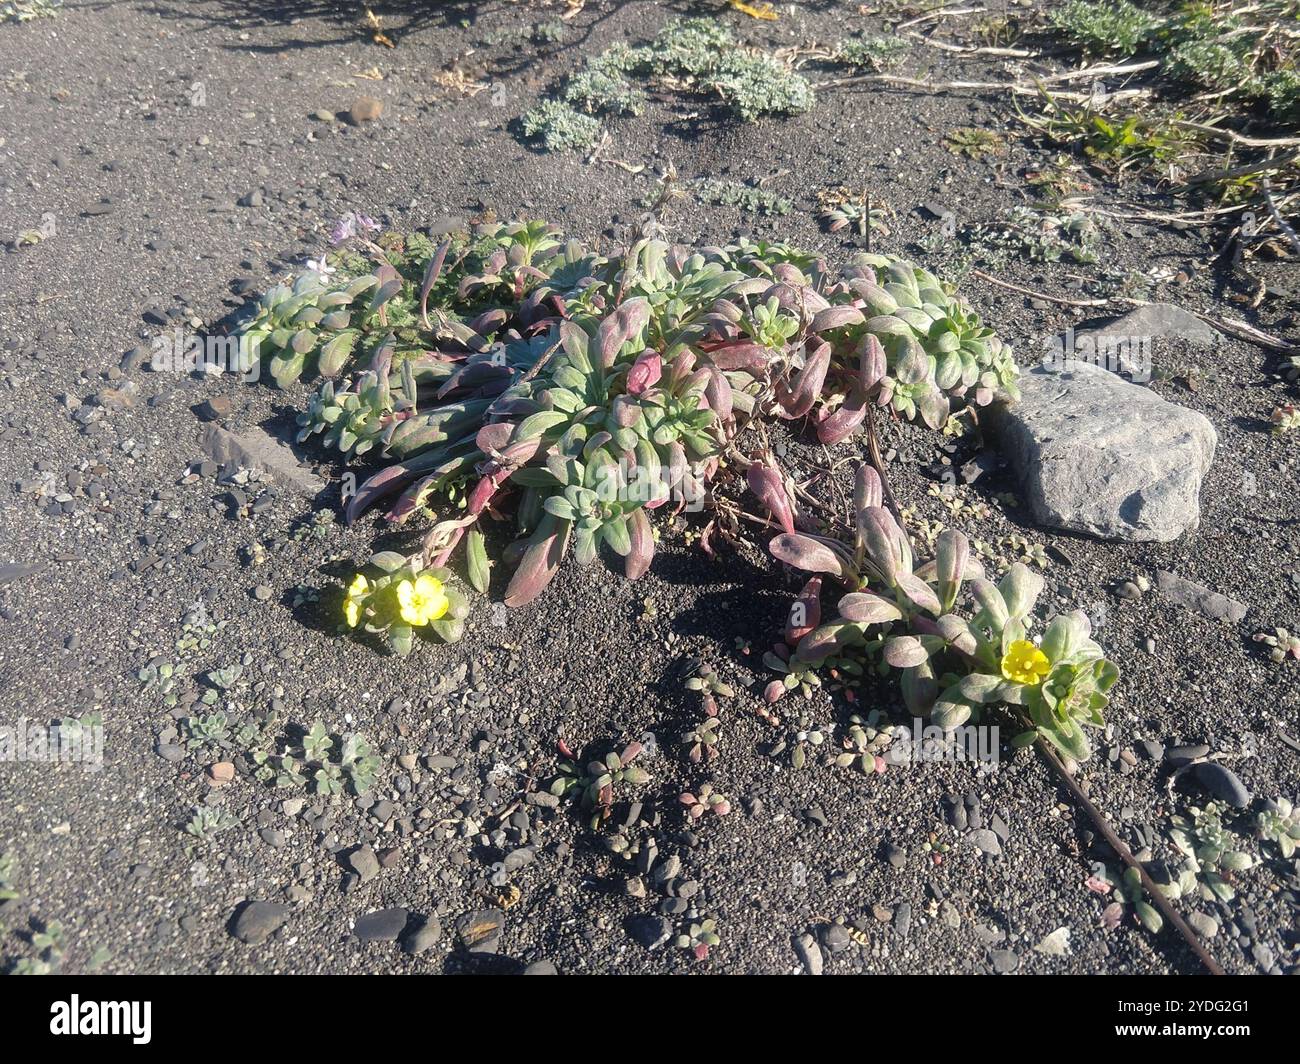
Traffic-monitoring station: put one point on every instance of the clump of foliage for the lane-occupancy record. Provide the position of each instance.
(1279, 822)
(510, 369)
(973, 142)
(598, 784)
(1285, 418)
(872, 53)
(400, 596)
(704, 800)
(560, 127)
(695, 55)
(1104, 27)
(1281, 641)
(8, 870)
(1128, 890)
(747, 196)
(27, 10)
(1044, 237)
(1211, 854)
(841, 208)
(953, 657)
(210, 821)
(317, 760)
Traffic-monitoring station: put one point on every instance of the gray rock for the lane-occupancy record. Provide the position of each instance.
(1152, 329)
(424, 937)
(1199, 597)
(257, 921)
(541, 968)
(254, 449)
(364, 863)
(1223, 783)
(1098, 455)
(810, 954)
(835, 938)
(986, 841)
(480, 931)
(649, 932)
(1005, 961)
(383, 925)
(1186, 754)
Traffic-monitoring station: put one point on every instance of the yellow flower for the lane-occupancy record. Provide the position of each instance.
(1025, 663)
(357, 590)
(421, 600)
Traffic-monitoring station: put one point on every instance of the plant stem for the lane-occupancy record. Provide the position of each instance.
(1117, 844)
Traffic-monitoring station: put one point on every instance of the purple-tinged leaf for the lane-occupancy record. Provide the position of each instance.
(431, 274)
(836, 317)
(872, 364)
(645, 372)
(805, 611)
(905, 652)
(919, 593)
(740, 355)
(643, 544)
(807, 386)
(866, 607)
(804, 552)
(845, 421)
(619, 327)
(540, 562)
(766, 482)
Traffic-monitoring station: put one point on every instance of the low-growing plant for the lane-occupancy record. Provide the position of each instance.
(1282, 642)
(401, 597)
(1285, 418)
(1279, 823)
(952, 658)
(559, 127)
(1104, 27)
(590, 391)
(27, 10)
(8, 870)
(871, 53)
(749, 197)
(597, 785)
(699, 56)
(704, 799)
(700, 937)
(1211, 857)
(210, 821)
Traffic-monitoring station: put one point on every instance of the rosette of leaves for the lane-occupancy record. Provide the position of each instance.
(596, 785)
(956, 638)
(378, 606)
(1209, 846)
(1279, 822)
(313, 323)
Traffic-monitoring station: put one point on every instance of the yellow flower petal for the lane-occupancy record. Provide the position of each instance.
(1025, 663)
(421, 600)
(359, 586)
(352, 612)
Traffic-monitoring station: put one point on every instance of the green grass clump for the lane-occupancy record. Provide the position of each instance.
(560, 127)
(1104, 27)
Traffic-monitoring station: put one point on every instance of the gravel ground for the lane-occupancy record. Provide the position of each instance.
(175, 157)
